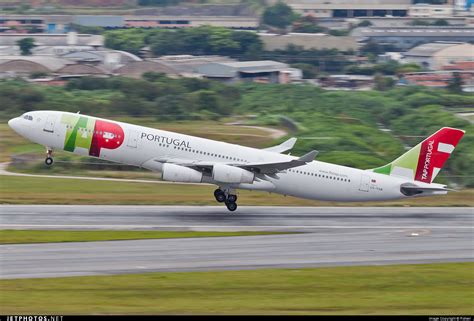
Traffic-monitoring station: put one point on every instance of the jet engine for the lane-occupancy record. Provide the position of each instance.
(230, 174)
(176, 173)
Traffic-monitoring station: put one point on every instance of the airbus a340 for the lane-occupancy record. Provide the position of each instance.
(183, 158)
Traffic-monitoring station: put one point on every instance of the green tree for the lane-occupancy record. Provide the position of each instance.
(307, 24)
(279, 15)
(309, 71)
(372, 47)
(38, 74)
(204, 40)
(440, 23)
(455, 85)
(249, 42)
(338, 33)
(364, 23)
(418, 22)
(220, 41)
(131, 40)
(383, 83)
(405, 68)
(165, 42)
(26, 45)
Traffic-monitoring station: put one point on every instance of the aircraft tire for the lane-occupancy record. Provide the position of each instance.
(219, 195)
(232, 198)
(48, 161)
(231, 206)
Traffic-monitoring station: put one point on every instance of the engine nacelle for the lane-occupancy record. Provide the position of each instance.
(176, 173)
(230, 174)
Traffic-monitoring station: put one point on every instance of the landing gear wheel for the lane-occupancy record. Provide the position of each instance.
(231, 206)
(219, 195)
(232, 198)
(48, 161)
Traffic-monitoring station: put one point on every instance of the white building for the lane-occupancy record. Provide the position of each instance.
(350, 8)
(423, 10)
(438, 54)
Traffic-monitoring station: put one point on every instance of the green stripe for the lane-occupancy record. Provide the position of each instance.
(71, 141)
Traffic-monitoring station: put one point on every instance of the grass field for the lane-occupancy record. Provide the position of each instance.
(432, 289)
(34, 236)
(33, 190)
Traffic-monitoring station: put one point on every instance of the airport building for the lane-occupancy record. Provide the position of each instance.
(423, 10)
(351, 8)
(439, 79)
(62, 23)
(435, 56)
(51, 44)
(404, 38)
(378, 8)
(266, 71)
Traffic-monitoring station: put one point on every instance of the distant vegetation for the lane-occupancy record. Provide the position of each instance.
(202, 40)
(26, 45)
(437, 23)
(207, 40)
(279, 15)
(343, 126)
(388, 68)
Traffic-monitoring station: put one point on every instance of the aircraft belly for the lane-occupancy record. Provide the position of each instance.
(309, 187)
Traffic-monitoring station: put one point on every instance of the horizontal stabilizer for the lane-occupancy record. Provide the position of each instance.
(283, 147)
(412, 190)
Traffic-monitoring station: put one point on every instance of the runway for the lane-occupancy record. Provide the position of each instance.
(334, 236)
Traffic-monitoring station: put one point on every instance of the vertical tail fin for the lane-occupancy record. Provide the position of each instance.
(424, 161)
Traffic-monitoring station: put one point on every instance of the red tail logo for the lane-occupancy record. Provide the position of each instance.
(435, 150)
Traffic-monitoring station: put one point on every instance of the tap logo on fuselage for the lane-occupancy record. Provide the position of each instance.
(91, 134)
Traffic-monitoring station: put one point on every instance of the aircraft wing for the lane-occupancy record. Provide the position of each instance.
(283, 147)
(272, 168)
(260, 168)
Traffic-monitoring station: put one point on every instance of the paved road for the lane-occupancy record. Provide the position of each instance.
(337, 236)
(246, 218)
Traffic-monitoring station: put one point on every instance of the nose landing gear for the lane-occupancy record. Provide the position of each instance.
(230, 200)
(49, 159)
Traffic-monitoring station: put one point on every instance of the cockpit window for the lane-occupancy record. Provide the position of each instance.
(28, 117)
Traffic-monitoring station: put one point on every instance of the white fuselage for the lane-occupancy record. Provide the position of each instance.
(151, 148)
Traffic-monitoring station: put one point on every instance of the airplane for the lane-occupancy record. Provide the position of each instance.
(189, 159)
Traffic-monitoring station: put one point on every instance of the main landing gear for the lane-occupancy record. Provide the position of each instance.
(49, 159)
(230, 200)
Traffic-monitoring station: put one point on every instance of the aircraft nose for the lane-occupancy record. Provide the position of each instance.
(13, 123)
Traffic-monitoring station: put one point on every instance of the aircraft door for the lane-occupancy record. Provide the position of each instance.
(132, 138)
(49, 125)
(364, 183)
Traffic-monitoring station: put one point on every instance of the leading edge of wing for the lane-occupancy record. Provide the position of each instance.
(261, 168)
